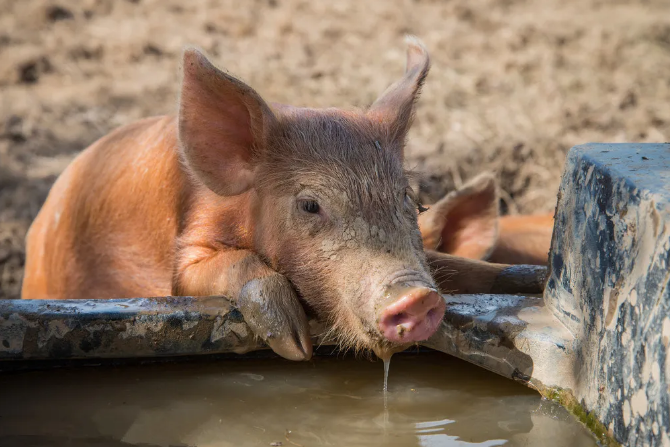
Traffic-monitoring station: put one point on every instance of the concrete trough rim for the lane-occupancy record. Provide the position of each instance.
(141, 317)
(39, 330)
(483, 329)
(487, 330)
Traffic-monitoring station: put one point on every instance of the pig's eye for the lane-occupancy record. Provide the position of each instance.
(309, 206)
(421, 208)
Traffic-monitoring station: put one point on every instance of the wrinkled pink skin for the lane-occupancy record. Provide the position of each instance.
(283, 209)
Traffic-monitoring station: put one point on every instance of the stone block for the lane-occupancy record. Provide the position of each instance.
(608, 284)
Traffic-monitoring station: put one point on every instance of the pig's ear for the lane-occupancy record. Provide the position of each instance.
(222, 123)
(465, 222)
(395, 107)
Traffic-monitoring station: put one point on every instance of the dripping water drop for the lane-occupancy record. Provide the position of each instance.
(387, 365)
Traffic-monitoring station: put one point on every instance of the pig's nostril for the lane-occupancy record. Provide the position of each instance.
(398, 319)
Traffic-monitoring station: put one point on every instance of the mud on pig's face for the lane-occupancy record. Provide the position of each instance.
(337, 217)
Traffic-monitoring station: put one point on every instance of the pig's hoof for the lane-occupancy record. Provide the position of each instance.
(272, 310)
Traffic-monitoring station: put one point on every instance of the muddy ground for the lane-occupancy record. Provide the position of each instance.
(514, 83)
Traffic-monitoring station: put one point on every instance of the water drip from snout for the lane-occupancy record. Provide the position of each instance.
(387, 365)
(385, 354)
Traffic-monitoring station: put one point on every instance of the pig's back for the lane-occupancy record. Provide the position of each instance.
(524, 240)
(108, 226)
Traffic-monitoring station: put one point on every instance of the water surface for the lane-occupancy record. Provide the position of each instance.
(433, 400)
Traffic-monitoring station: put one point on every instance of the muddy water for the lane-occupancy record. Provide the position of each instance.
(433, 400)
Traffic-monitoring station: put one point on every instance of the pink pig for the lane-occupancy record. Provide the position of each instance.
(289, 211)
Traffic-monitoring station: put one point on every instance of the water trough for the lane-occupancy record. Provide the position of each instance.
(598, 341)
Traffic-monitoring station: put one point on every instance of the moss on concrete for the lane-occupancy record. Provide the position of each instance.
(589, 419)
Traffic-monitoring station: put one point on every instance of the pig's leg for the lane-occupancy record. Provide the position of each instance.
(266, 299)
(460, 275)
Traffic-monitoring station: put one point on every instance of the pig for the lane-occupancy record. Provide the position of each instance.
(288, 211)
(467, 223)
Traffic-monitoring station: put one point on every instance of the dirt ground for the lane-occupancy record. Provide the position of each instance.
(514, 83)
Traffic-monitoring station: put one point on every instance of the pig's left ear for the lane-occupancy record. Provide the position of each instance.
(465, 222)
(395, 107)
(223, 123)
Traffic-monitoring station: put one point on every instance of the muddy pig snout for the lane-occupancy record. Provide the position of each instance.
(415, 314)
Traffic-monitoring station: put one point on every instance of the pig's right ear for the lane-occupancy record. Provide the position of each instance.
(465, 222)
(395, 107)
(222, 122)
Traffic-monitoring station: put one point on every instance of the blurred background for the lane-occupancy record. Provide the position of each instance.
(514, 83)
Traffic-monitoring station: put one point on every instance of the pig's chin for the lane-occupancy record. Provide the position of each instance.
(375, 342)
(384, 350)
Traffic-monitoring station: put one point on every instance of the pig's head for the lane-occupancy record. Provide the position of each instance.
(330, 202)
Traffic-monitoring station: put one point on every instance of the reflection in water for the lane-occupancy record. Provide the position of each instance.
(432, 434)
(433, 400)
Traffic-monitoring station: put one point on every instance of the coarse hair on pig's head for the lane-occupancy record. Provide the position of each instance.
(331, 206)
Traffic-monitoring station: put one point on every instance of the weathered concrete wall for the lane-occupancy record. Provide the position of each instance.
(608, 284)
